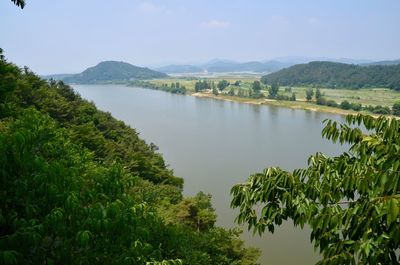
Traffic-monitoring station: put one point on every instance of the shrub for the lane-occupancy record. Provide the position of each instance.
(345, 105)
(321, 101)
(356, 106)
(396, 108)
(381, 110)
(332, 103)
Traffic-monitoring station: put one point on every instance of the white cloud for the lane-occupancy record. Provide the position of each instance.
(215, 24)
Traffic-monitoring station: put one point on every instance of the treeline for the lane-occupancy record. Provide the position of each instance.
(346, 105)
(80, 187)
(174, 87)
(337, 75)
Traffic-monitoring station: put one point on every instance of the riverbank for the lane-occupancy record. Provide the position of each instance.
(279, 103)
(369, 98)
(304, 105)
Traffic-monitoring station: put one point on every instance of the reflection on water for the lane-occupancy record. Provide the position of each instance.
(215, 144)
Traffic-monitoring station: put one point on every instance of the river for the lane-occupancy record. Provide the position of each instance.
(215, 144)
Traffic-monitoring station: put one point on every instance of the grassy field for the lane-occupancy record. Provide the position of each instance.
(189, 82)
(365, 97)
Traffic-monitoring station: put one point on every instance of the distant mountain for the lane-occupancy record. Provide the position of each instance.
(388, 62)
(218, 60)
(113, 71)
(301, 60)
(269, 66)
(225, 66)
(255, 66)
(337, 75)
(56, 76)
(184, 69)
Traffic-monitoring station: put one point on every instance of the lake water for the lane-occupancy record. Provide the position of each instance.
(215, 144)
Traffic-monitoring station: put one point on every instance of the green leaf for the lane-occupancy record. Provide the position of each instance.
(393, 211)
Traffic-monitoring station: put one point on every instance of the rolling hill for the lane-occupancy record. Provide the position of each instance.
(113, 71)
(337, 75)
(387, 62)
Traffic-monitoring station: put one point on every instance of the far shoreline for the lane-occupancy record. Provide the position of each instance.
(301, 105)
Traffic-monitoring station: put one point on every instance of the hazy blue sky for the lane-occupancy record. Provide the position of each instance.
(55, 36)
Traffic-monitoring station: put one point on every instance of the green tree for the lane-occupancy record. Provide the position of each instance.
(241, 93)
(222, 84)
(396, 109)
(237, 83)
(345, 105)
(381, 110)
(213, 85)
(273, 90)
(201, 85)
(351, 202)
(231, 92)
(309, 93)
(256, 86)
(215, 91)
(318, 94)
(195, 212)
(78, 186)
(293, 97)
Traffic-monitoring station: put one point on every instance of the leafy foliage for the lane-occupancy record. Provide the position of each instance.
(195, 212)
(273, 90)
(396, 109)
(318, 94)
(309, 94)
(80, 187)
(222, 84)
(350, 201)
(19, 3)
(201, 85)
(337, 75)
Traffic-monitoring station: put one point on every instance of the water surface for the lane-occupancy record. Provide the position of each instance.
(215, 144)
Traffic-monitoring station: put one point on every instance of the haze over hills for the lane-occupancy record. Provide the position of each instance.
(337, 75)
(304, 59)
(225, 66)
(112, 71)
(267, 66)
(386, 62)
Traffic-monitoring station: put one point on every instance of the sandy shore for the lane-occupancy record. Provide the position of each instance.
(287, 104)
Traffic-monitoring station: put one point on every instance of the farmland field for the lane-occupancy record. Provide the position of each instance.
(365, 97)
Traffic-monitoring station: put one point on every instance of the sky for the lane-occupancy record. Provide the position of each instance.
(67, 36)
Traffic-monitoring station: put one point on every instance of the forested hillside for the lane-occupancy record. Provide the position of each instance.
(80, 187)
(337, 75)
(112, 71)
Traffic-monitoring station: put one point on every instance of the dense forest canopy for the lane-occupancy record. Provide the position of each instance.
(80, 187)
(112, 71)
(337, 75)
